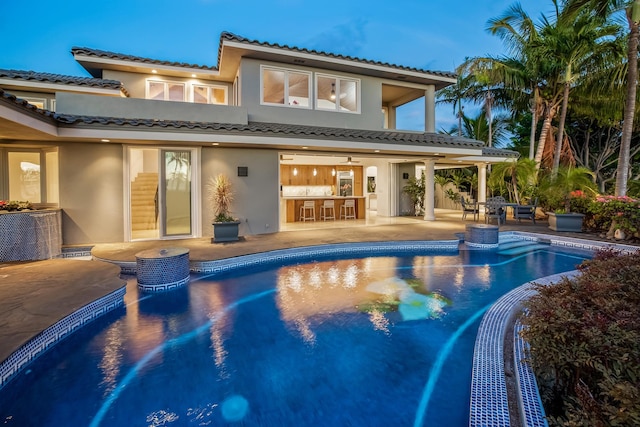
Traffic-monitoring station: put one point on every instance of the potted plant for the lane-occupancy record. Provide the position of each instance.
(557, 192)
(225, 226)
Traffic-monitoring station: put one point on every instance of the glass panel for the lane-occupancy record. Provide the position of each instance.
(144, 197)
(348, 95)
(24, 176)
(218, 95)
(201, 94)
(176, 92)
(298, 89)
(326, 93)
(273, 86)
(53, 192)
(177, 165)
(156, 90)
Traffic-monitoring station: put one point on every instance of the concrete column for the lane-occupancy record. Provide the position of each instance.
(429, 190)
(391, 117)
(482, 184)
(430, 109)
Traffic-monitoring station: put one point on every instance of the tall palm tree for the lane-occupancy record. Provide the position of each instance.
(577, 44)
(631, 10)
(456, 94)
(478, 128)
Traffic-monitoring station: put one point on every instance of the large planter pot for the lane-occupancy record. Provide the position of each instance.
(225, 231)
(565, 222)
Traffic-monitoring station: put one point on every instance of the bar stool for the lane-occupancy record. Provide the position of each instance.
(328, 210)
(308, 211)
(348, 209)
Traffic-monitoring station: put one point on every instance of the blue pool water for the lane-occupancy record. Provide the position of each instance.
(380, 341)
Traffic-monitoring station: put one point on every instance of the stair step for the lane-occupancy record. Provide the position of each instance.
(523, 249)
(514, 244)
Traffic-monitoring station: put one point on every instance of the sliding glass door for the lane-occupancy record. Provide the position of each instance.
(162, 193)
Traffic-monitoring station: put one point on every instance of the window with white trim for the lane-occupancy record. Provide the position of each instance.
(165, 91)
(285, 87)
(337, 93)
(209, 94)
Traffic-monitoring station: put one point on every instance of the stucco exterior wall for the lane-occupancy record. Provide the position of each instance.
(91, 197)
(370, 116)
(256, 200)
(136, 83)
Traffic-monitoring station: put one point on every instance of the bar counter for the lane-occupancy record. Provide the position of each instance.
(293, 205)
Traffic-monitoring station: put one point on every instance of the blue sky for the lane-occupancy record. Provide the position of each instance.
(429, 34)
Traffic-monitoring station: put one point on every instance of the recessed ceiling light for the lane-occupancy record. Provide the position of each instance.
(193, 75)
(376, 151)
(305, 148)
(436, 154)
(105, 140)
(215, 143)
(154, 71)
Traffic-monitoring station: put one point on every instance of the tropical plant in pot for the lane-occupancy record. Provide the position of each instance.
(557, 192)
(225, 226)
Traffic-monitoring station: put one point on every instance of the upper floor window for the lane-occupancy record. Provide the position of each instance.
(165, 91)
(205, 94)
(337, 94)
(286, 87)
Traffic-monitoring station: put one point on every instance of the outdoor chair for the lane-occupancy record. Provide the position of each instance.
(495, 208)
(467, 209)
(526, 211)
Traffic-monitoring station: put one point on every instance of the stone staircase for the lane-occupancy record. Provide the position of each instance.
(143, 193)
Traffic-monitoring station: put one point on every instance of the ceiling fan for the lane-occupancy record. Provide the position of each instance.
(349, 161)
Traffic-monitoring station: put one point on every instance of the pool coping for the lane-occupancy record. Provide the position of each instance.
(489, 405)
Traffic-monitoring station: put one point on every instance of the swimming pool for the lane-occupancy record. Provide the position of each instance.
(365, 341)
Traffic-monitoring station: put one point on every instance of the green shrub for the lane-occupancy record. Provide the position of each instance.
(584, 336)
(625, 211)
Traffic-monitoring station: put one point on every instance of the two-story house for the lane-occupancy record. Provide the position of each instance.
(127, 153)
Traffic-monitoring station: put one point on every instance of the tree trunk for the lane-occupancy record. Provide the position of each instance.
(546, 126)
(560, 136)
(532, 136)
(622, 174)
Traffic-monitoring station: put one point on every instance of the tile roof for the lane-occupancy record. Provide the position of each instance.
(491, 151)
(60, 79)
(21, 103)
(235, 38)
(123, 57)
(284, 130)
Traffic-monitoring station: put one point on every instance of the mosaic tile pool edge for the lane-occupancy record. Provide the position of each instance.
(310, 252)
(35, 347)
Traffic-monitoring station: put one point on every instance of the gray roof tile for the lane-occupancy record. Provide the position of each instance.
(123, 57)
(286, 130)
(232, 37)
(60, 79)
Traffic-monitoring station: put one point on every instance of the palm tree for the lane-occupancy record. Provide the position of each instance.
(478, 128)
(519, 176)
(631, 10)
(577, 44)
(457, 93)
(525, 73)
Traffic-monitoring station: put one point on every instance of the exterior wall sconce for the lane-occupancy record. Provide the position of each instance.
(333, 92)
(351, 172)
(333, 172)
(295, 171)
(315, 172)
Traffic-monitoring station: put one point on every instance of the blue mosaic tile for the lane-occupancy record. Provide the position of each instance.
(53, 334)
